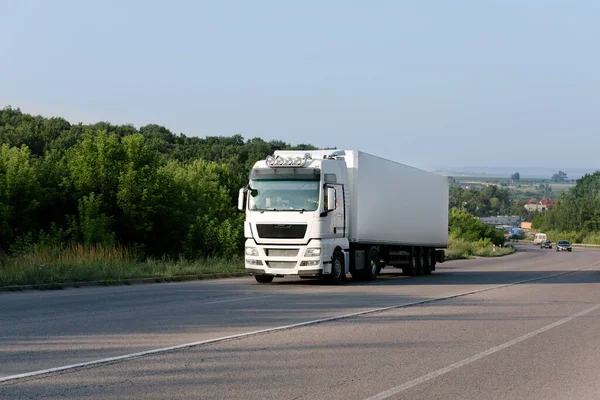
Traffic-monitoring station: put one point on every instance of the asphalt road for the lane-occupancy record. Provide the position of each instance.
(519, 327)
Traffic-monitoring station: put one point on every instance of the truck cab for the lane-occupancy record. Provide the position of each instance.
(296, 218)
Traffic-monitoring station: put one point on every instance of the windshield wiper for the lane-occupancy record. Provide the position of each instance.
(262, 210)
(301, 210)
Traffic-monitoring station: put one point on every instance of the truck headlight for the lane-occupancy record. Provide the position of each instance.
(310, 263)
(313, 252)
(251, 251)
(254, 262)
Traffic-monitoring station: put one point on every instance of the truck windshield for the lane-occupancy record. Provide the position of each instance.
(284, 195)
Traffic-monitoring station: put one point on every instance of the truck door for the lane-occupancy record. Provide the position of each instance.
(338, 216)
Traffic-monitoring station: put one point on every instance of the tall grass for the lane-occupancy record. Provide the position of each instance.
(574, 237)
(462, 249)
(47, 265)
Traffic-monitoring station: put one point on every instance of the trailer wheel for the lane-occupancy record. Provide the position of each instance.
(373, 266)
(420, 267)
(411, 269)
(337, 269)
(264, 278)
(428, 261)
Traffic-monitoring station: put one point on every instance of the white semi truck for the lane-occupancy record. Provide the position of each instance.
(329, 213)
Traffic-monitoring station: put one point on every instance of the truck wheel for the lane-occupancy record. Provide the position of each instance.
(420, 261)
(411, 269)
(337, 269)
(427, 261)
(373, 267)
(264, 278)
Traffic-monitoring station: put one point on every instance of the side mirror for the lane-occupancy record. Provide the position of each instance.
(331, 199)
(241, 199)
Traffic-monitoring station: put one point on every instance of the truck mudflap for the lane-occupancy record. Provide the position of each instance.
(440, 256)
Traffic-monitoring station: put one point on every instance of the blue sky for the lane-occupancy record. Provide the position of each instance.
(436, 83)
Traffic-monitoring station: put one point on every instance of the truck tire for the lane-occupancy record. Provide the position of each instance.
(264, 278)
(373, 266)
(337, 275)
(420, 262)
(411, 268)
(428, 261)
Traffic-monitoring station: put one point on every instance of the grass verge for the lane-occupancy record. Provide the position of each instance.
(575, 237)
(460, 249)
(47, 266)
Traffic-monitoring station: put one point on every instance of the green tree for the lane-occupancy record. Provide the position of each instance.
(94, 225)
(577, 210)
(19, 194)
(463, 225)
(559, 177)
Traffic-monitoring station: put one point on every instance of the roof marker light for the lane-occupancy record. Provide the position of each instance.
(278, 161)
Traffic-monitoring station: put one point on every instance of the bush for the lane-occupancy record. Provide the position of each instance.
(592, 238)
(573, 237)
(459, 249)
(463, 225)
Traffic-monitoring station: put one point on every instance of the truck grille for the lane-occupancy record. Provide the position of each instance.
(281, 231)
(282, 252)
(281, 264)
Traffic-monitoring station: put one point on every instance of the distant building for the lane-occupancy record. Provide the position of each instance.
(526, 225)
(506, 221)
(538, 206)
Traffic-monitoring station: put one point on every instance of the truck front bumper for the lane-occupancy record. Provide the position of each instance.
(302, 272)
(284, 260)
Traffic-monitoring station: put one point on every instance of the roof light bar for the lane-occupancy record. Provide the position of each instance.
(286, 162)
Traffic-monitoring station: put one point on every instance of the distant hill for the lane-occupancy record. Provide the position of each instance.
(506, 172)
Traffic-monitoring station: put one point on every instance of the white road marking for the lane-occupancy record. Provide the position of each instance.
(239, 299)
(405, 386)
(269, 330)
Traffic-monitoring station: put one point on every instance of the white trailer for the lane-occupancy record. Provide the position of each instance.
(324, 213)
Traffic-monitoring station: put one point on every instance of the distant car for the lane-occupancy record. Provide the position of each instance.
(563, 245)
(539, 238)
(546, 244)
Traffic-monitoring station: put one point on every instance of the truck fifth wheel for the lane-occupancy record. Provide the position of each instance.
(327, 214)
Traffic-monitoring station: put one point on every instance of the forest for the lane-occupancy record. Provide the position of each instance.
(154, 192)
(576, 215)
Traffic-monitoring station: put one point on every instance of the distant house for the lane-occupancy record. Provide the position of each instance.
(505, 221)
(543, 205)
